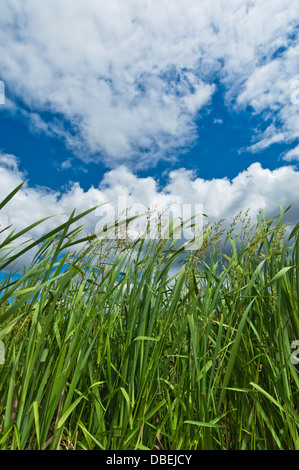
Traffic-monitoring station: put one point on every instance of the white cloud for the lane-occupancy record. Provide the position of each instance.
(254, 188)
(292, 155)
(129, 75)
(269, 91)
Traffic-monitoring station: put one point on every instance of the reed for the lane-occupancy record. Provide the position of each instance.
(105, 350)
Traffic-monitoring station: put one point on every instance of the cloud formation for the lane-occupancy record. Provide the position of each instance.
(126, 81)
(255, 188)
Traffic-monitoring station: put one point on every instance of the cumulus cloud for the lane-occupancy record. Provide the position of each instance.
(255, 188)
(126, 81)
(269, 91)
(32, 204)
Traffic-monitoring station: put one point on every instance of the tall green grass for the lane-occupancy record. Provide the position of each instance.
(105, 350)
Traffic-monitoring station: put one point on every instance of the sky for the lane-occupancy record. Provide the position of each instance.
(169, 101)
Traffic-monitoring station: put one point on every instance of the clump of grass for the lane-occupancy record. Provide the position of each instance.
(104, 350)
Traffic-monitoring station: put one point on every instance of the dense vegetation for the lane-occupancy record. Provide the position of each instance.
(105, 349)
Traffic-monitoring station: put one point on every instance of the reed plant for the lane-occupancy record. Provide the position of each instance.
(106, 348)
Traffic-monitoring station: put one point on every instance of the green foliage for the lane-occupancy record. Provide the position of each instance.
(105, 350)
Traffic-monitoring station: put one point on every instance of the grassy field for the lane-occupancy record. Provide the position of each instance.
(105, 350)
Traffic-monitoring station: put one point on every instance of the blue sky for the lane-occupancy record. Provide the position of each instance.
(221, 136)
(193, 103)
